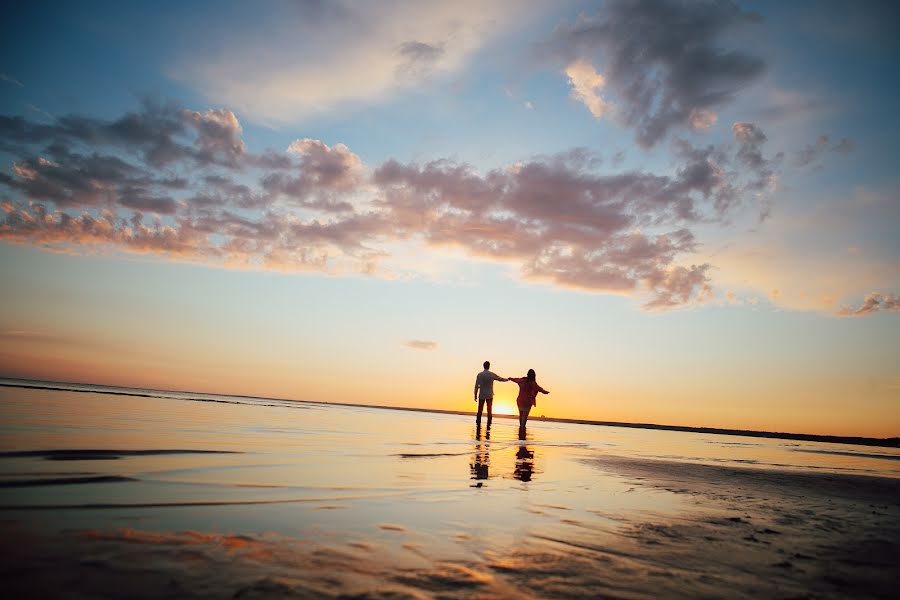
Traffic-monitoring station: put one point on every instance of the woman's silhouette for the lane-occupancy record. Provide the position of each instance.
(528, 391)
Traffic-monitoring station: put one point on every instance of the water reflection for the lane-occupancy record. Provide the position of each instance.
(524, 468)
(517, 457)
(480, 465)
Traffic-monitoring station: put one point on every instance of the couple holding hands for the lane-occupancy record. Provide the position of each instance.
(484, 393)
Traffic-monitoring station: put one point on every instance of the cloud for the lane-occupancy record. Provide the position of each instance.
(139, 200)
(218, 136)
(702, 119)
(10, 80)
(568, 225)
(39, 110)
(291, 62)
(18, 338)
(162, 134)
(750, 139)
(22, 335)
(666, 63)
(324, 175)
(194, 192)
(871, 304)
(421, 344)
(839, 247)
(586, 83)
(334, 168)
(679, 285)
(419, 60)
(784, 104)
(812, 152)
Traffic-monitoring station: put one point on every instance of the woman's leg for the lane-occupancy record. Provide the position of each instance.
(523, 415)
(523, 419)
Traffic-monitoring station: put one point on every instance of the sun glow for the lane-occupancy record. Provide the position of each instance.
(504, 407)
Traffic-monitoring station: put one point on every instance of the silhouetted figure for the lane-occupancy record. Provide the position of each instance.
(484, 392)
(528, 391)
(524, 464)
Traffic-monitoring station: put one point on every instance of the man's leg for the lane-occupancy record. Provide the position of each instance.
(490, 404)
(480, 408)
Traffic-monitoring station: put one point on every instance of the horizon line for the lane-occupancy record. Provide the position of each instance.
(889, 442)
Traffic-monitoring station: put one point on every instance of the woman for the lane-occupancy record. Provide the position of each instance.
(528, 391)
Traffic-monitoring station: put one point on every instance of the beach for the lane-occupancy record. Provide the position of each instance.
(110, 492)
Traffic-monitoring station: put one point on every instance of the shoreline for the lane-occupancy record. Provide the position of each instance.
(893, 442)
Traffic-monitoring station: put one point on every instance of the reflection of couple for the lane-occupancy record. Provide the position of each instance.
(480, 466)
(484, 393)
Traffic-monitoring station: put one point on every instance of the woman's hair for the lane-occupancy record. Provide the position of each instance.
(531, 376)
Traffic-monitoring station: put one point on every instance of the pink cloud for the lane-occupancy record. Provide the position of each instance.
(871, 304)
(183, 185)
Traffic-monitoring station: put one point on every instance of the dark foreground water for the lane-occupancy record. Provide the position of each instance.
(193, 495)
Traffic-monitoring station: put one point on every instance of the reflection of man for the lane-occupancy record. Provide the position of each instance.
(484, 392)
(480, 467)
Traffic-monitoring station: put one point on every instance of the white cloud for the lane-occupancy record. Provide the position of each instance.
(586, 83)
(291, 65)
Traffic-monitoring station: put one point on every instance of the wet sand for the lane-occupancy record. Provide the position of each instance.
(107, 496)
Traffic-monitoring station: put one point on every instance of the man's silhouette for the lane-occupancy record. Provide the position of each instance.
(484, 392)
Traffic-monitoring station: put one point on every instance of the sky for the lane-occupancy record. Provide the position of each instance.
(675, 212)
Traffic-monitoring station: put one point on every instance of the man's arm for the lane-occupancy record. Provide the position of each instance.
(498, 378)
(475, 392)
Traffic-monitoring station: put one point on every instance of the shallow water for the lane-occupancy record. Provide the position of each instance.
(416, 503)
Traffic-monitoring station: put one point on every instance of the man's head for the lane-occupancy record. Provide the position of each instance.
(487, 364)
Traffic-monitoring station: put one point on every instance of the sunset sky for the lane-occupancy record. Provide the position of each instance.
(675, 212)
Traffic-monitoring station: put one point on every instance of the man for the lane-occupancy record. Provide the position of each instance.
(484, 392)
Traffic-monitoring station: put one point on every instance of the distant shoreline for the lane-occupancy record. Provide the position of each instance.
(893, 442)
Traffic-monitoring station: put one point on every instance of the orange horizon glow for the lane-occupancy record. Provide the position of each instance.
(563, 402)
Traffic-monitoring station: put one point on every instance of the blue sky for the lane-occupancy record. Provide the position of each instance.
(656, 205)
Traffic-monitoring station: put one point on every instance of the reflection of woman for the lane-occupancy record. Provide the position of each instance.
(528, 391)
(524, 464)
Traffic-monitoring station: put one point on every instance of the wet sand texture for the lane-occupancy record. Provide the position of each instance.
(230, 500)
